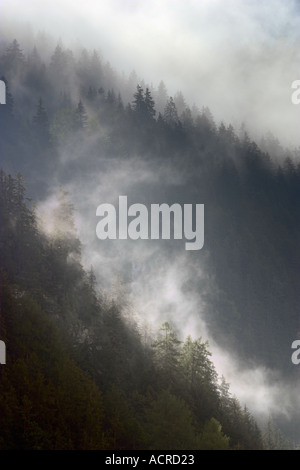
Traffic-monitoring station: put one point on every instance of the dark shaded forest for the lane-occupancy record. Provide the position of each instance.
(78, 376)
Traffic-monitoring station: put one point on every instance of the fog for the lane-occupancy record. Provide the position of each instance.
(237, 57)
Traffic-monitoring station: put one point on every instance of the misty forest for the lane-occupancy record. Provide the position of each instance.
(98, 350)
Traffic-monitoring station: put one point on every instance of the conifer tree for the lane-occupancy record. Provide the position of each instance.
(170, 113)
(212, 437)
(139, 102)
(149, 105)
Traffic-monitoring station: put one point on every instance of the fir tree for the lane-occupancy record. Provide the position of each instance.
(41, 125)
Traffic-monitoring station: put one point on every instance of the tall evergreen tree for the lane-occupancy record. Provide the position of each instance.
(81, 116)
(149, 105)
(7, 111)
(170, 424)
(41, 125)
(170, 113)
(13, 59)
(139, 102)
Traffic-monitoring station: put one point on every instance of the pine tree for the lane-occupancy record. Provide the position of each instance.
(199, 378)
(161, 97)
(273, 439)
(14, 58)
(187, 119)
(64, 123)
(120, 104)
(180, 102)
(41, 125)
(225, 395)
(61, 68)
(63, 218)
(196, 364)
(139, 105)
(169, 423)
(92, 280)
(7, 111)
(96, 67)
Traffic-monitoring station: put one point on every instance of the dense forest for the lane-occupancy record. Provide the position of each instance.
(79, 377)
(80, 374)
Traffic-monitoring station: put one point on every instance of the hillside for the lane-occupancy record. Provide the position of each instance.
(73, 121)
